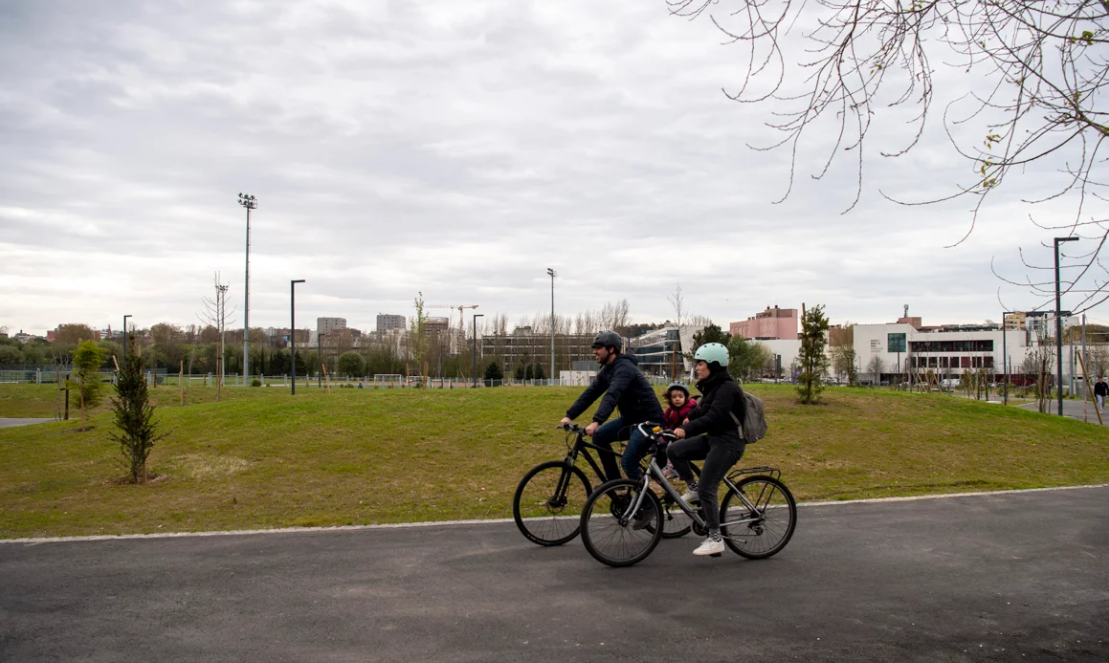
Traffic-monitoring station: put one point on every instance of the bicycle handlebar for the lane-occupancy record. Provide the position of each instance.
(656, 432)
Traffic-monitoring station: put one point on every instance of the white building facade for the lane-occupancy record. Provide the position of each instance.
(888, 350)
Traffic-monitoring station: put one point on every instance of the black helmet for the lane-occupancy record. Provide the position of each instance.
(608, 339)
(676, 385)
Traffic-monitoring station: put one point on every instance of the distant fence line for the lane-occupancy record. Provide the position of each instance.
(164, 377)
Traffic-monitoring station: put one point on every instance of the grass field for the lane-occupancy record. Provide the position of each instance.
(263, 459)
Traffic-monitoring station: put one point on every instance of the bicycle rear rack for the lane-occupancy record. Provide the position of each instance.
(773, 472)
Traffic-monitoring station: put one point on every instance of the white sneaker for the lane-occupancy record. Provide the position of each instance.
(713, 545)
(690, 496)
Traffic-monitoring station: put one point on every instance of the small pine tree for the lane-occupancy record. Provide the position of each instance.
(493, 371)
(134, 417)
(813, 362)
(538, 372)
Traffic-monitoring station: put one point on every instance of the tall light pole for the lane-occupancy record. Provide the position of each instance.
(125, 334)
(293, 328)
(551, 273)
(1005, 352)
(249, 202)
(1059, 325)
(476, 316)
(319, 358)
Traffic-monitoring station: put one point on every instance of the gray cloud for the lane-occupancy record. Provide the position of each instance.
(457, 149)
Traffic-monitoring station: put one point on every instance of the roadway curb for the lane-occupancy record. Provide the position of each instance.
(494, 521)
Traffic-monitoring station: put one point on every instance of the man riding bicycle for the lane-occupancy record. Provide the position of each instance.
(624, 388)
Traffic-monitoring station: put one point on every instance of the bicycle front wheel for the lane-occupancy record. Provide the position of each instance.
(675, 522)
(767, 529)
(548, 503)
(608, 529)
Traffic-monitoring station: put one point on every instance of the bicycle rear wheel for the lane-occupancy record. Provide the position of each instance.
(771, 524)
(548, 503)
(606, 527)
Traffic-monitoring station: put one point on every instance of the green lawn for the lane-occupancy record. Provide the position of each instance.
(263, 459)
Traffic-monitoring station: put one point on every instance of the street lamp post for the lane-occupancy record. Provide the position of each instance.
(1005, 353)
(552, 273)
(293, 328)
(319, 358)
(476, 316)
(1059, 325)
(249, 202)
(125, 334)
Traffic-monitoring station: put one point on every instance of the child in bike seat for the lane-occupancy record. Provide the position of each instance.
(679, 405)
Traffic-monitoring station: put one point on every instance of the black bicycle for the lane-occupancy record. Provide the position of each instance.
(758, 513)
(549, 499)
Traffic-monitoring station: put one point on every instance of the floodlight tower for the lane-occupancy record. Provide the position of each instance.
(552, 273)
(249, 202)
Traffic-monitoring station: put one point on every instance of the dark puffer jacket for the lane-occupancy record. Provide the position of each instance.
(721, 396)
(623, 387)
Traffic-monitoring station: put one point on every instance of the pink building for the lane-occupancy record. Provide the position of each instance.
(773, 323)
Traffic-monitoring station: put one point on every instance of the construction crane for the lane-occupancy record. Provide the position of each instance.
(461, 313)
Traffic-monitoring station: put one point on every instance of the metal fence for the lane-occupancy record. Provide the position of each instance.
(163, 377)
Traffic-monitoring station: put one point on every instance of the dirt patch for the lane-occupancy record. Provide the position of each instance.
(204, 466)
(151, 478)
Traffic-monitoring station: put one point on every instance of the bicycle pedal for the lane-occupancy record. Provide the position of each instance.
(717, 555)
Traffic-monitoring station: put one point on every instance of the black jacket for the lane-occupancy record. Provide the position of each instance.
(722, 396)
(624, 387)
(1101, 389)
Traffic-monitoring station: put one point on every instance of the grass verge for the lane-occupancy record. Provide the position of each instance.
(262, 459)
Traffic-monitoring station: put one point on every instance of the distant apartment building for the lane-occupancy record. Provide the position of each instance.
(772, 324)
(521, 348)
(437, 325)
(328, 325)
(388, 322)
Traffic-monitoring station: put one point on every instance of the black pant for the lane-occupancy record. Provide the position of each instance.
(719, 454)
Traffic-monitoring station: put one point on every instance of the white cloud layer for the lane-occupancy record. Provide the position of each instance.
(458, 149)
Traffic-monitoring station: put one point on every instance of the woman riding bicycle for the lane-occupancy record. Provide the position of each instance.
(710, 434)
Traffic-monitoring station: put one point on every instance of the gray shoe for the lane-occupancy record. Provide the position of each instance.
(645, 517)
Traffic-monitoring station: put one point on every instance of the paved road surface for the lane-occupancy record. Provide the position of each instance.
(1015, 577)
(1074, 410)
(9, 422)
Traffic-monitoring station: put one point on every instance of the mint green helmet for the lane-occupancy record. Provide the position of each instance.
(712, 352)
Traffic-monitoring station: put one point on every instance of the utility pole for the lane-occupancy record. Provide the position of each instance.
(249, 202)
(1059, 325)
(551, 273)
(293, 329)
(476, 316)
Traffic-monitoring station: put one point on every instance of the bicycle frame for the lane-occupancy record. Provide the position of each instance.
(581, 447)
(654, 472)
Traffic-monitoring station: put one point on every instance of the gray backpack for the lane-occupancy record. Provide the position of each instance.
(753, 426)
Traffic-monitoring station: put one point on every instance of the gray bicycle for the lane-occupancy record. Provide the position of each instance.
(758, 513)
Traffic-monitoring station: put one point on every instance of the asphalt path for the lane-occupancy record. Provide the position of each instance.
(11, 422)
(1081, 410)
(1011, 577)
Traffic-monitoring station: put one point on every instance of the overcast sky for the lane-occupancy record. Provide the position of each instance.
(453, 148)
